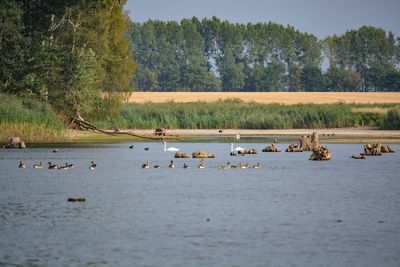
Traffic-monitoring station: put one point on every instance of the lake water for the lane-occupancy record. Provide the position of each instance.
(289, 212)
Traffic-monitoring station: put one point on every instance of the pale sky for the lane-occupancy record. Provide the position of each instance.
(320, 17)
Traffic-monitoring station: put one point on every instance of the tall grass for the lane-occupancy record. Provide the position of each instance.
(29, 119)
(234, 113)
(392, 119)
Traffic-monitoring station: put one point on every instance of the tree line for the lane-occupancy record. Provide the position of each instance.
(215, 55)
(65, 52)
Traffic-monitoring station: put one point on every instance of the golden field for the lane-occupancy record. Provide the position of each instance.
(287, 98)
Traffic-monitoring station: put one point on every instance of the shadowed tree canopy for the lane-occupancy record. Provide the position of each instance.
(65, 52)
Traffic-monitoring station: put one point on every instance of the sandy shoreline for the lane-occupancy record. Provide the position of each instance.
(339, 132)
(341, 135)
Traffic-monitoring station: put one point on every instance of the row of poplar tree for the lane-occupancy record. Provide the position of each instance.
(215, 55)
(65, 52)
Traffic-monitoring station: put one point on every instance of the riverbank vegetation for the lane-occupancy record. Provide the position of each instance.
(30, 119)
(242, 115)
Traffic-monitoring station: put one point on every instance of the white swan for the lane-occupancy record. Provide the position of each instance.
(171, 149)
(236, 149)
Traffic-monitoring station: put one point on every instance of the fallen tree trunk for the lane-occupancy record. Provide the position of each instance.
(79, 123)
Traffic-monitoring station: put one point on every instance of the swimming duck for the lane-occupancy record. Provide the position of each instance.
(171, 165)
(52, 166)
(146, 165)
(224, 167)
(65, 167)
(38, 166)
(185, 166)
(201, 164)
(92, 165)
(147, 148)
(243, 165)
(131, 147)
(21, 164)
(256, 166)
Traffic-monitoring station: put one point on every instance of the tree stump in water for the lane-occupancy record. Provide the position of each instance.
(179, 155)
(309, 142)
(202, 155)
(387, 149)
(15, 142)
(271, 148)
(294, 148)
(321, 153)
(373, 149)
(251, 151)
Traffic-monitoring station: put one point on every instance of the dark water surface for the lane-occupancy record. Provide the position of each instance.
(290, 212)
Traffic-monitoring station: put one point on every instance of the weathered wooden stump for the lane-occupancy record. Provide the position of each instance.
(321, 153)
(160, 132)
(76, 199)
(293, 148)
(179, 155)
(15, 142)
(251, 151)
(271, 148)
(202, 155)
(309, 142)
(373, 149)
(387, 149)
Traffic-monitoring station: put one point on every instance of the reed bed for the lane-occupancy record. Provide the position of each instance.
(234, 113)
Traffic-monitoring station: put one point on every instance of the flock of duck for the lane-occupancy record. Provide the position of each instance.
(147, 164)
(52, 166)
(202, 165)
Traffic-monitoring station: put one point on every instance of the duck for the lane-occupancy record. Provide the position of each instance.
(52, 166)
(146, 165)
(38, 166)
(224, 167)
(147, 148)
(131, 147)
(55, 150)
(201, 164)
(92, 165)
(171, 165)
(64, 167)
(256, 166)
(185, 166)
(21, 164)
(243, 165)
(157, 166)
(170, 149)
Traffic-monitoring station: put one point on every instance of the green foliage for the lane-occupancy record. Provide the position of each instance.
(368, 55)
(65, 52)
(28, 118)
(312, 79)
(392, 120)
(237, 114)
(214, 55)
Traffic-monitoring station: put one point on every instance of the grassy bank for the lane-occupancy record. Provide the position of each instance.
(29, 119)
(235, 114)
